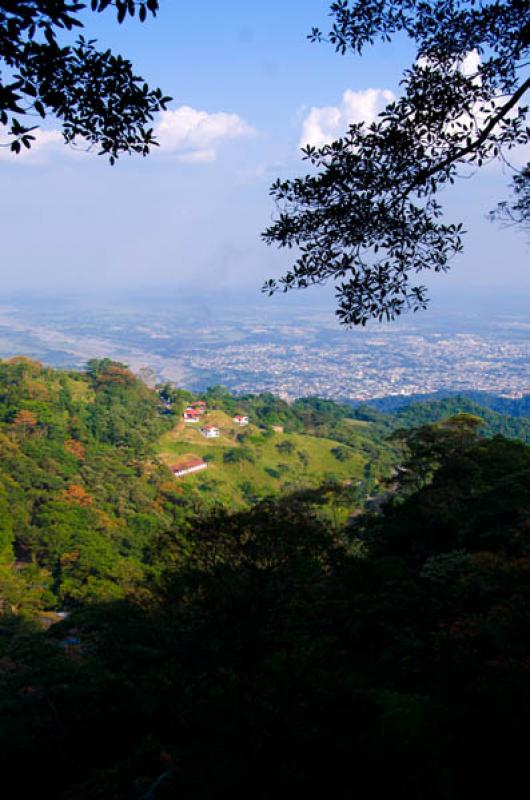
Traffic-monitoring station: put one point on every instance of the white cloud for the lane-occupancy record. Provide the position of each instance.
(326, 123)
(198, 156)
(45, 144)
(194, 136)
(470, 64)
(48, 145)
(259, 172)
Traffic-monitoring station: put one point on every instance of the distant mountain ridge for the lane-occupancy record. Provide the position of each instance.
(512, 406)
(395, 412)
(417, 414)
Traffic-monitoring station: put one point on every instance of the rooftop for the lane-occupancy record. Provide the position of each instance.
(189, 463)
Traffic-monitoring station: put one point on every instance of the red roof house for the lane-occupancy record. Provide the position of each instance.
(210, 431)
(187, 466)
(191, 414)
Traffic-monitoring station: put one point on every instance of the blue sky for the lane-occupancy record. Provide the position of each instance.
(247, 86)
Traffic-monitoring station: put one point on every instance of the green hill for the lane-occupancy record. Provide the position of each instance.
(89, 510)
(83, 506)
(245, 464)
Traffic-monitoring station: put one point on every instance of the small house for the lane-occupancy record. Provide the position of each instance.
(240, 420)
(187, 466)
(210, 432)
(191, 415)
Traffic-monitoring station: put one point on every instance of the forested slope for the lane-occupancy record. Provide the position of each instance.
(500, 415)
(510, 406)
(513, 427)
(221, 643)
(83, 507)
(88, 507)
(89, 510)
(282, 655)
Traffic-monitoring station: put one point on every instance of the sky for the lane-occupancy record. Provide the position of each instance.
(248, 89)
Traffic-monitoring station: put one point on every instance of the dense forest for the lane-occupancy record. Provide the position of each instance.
(84, 510)
(495, 422)
(153, 646)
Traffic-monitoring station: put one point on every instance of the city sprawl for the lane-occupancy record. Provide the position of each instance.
(259, 350)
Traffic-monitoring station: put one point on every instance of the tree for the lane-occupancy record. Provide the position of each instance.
(97, 96)
(517, 212)
(24, 421)
(238, 456)
(430, 447)
(285, 447)
(368, 217)
(341, 453)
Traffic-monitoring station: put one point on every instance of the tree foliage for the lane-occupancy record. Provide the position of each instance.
(282, 656)
(85, 512)
(368, 215)
(208, 652)
(99, 99)
(516, 211)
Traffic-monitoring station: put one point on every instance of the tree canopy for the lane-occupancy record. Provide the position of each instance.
(96, 94)
(277, 655)
(368, 216)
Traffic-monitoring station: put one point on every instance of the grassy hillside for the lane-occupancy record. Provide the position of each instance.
(245, 464)
(89, 510)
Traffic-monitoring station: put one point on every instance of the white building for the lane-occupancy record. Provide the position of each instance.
(185, 467)
(210, 432)
(240, 420)
(191, 415)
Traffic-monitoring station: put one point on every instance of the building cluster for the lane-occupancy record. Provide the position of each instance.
(257, 350)
(192, 414)
(368, 366)
(194, 411)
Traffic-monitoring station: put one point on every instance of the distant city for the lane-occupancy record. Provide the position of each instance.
(264, 348)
